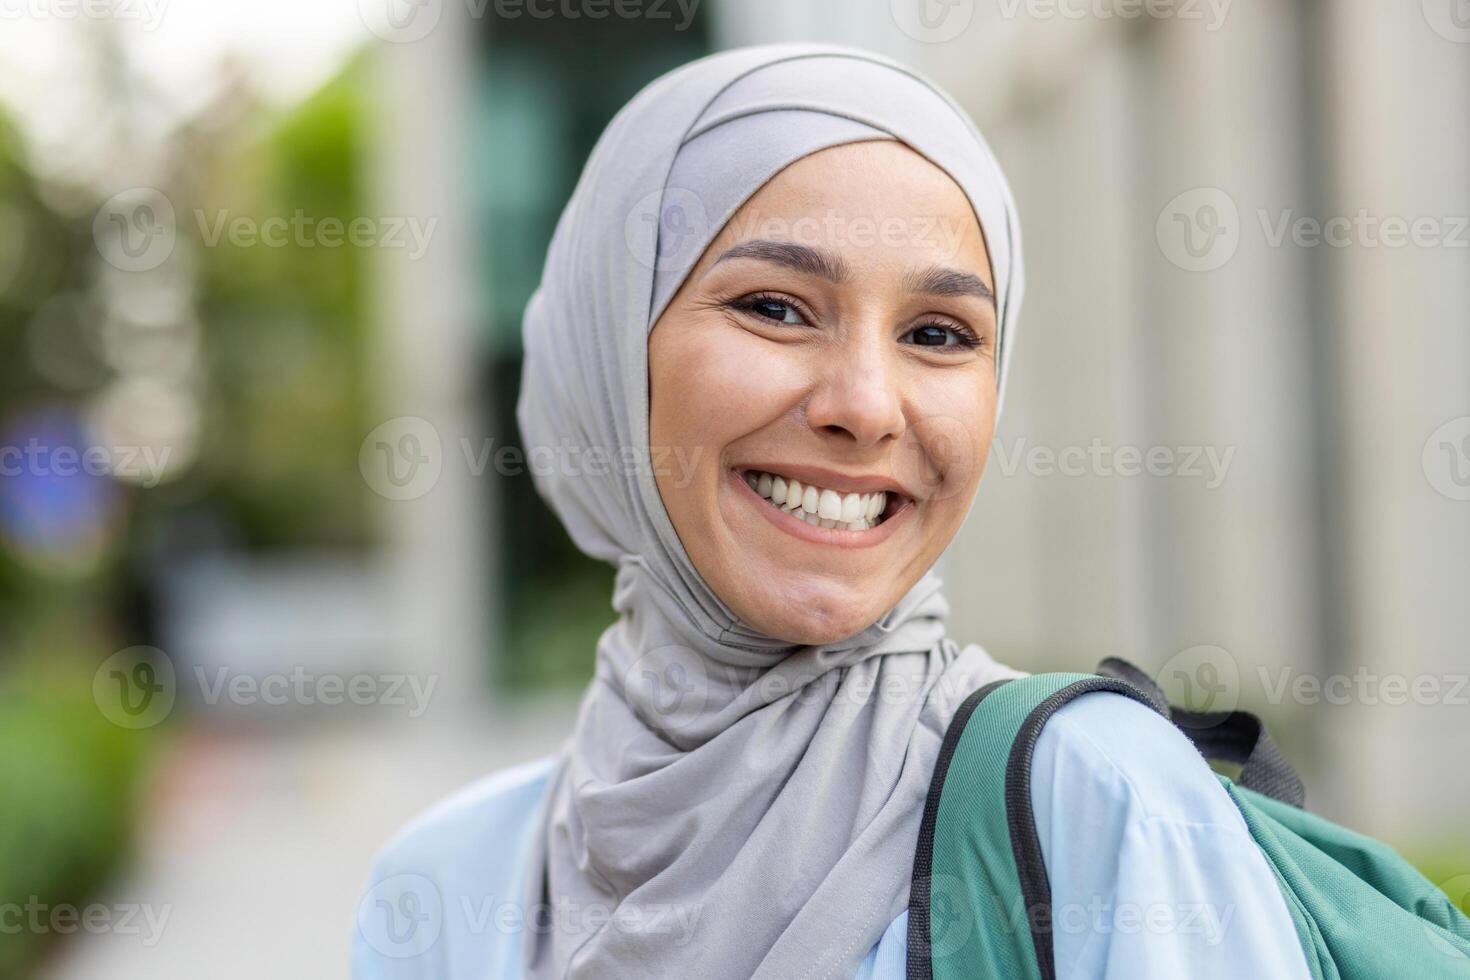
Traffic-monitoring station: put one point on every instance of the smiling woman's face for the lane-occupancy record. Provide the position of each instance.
(839, 335)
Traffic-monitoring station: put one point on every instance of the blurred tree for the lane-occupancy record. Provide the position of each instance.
(261, 348)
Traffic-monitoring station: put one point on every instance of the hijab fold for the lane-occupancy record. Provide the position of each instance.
(730, 805)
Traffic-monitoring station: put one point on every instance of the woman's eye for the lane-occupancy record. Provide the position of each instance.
(774, 309)
(935, 335)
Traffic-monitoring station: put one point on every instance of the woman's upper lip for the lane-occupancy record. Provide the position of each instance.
(831, 479)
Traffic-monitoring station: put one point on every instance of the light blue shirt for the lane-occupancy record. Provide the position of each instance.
(1153, 873)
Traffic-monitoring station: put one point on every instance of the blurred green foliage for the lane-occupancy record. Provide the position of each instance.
(70, 782)
(556, 629)
(286, 330)
(282, 389)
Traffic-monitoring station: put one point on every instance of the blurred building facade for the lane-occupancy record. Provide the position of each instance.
(1236, 445)
(1231, 447)
(1323, 362)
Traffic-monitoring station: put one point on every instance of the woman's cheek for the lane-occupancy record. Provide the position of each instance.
(952, 424)
(737, 382)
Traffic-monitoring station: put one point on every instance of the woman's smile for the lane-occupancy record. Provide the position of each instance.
(838, 511)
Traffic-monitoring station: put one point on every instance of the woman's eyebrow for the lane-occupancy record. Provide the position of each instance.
(940, 281)
(802, 258)
(936, 280)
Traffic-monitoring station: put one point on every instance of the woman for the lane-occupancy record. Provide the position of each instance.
(770, 346)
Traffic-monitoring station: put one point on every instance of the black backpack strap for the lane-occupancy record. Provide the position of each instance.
(1129, 673)
(1241, 737)
(1224, 736)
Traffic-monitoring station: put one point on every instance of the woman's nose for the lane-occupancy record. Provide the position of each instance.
(857, 396)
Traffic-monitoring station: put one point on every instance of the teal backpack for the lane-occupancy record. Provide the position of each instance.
(1361, 911)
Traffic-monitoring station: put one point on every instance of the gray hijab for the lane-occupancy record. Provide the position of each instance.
(730, 805)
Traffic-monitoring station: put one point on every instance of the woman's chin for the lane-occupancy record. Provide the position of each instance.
(814, 617)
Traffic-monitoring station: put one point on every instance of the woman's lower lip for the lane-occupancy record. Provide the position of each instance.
(815, 534)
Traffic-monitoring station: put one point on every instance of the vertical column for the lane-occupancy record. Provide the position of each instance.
(1398, 75)
(435, 509)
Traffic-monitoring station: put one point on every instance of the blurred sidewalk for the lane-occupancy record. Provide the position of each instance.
(257, 843)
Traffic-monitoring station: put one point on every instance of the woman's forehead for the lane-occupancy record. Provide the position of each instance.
(860, 205)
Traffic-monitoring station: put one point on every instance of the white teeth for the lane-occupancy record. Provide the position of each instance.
(818, 507)
(793, 494)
